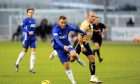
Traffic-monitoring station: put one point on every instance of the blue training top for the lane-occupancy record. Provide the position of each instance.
(61, 35)
(29, 24)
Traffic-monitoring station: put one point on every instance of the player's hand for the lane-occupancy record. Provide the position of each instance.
(31, 33)
(99, 30)
(83, 49)
(66, 48)
(100, 33)
(88, 34)
(96, 30)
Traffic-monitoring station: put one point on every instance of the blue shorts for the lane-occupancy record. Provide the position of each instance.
(31, 43)
(63, 55)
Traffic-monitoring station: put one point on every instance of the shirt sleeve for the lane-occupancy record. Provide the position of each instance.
(83, 27)
(103, 26)
(24, 26)
(56, 38)
(77, 30)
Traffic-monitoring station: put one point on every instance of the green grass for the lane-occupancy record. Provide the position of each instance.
(121, 65)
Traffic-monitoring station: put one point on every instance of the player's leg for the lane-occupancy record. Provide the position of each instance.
(92, 67)
(72, 55)
(64, 60)
(94, 50)
(80, 61)
(94, 39)
(20, 56)
(97, 49)
(33, 56)
(32, 60)
(53, 54)
(78, 50)
(13, 36)
(69, 72)
(22, 53)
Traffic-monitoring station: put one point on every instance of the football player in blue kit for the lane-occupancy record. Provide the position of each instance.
(62, 45)
(29, 39)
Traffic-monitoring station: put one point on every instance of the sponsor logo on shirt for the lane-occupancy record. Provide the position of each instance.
(63, 37)
(32, 25)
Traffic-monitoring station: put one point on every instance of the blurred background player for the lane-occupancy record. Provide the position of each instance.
(62, 45)
(29, 39)
(98, 30)
(82, 44)
(44, 30)
(130, 23)
(17, 33)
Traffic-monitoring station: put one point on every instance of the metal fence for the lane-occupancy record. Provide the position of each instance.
(11, 18)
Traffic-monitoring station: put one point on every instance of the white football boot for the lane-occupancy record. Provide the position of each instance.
(94, 79)
(53, 54)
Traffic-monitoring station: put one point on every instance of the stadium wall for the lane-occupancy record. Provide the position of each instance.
(11, 18)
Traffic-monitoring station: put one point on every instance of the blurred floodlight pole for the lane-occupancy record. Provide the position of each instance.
(105, 11)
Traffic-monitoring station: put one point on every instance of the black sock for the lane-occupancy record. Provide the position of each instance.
(98, 53)
(94, 50)
(69, 58)
(92, 68)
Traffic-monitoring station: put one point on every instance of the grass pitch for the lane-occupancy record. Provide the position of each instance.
(121, 65)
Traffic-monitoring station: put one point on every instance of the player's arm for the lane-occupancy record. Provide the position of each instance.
(24, 26)
(80, 38)
(78, 30)
(104, 28)
(94, 30)
(56, 37)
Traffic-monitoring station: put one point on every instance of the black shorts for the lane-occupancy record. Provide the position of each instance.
(97, 40)
(78, 48)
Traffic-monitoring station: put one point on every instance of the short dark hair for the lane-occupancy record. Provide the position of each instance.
(62, 17)
(30, 9)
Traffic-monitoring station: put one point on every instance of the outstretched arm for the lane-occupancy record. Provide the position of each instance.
(77, 30)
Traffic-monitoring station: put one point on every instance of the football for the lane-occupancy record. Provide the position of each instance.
(46, 82)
